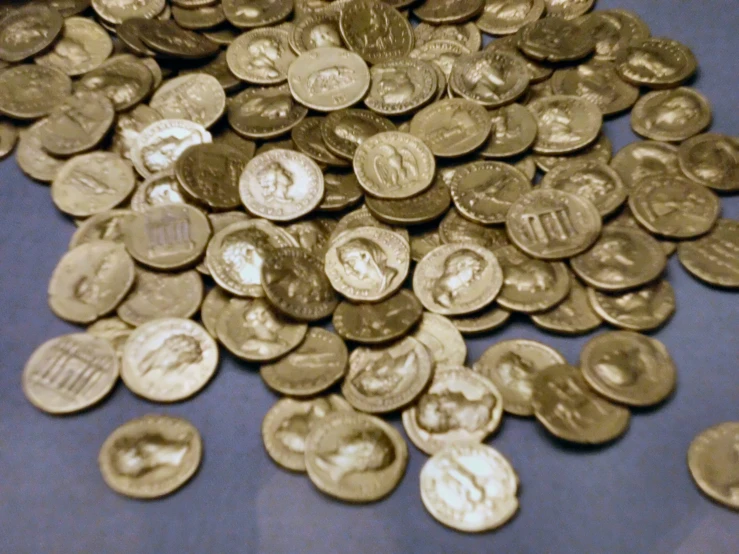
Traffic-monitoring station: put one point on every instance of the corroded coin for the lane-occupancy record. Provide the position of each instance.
(78, 124)
(264, 112)
(128, 126)
(466, 34)
(169, 359)
(113, 330)
(316, 31)
(452, 127)
(424, 207)
(375, 31)
(31, 157)
(455, 228)
(31, 91)
(456, 279)
(117, 11)
(491, 78)
(628, 367)
(469, 487)
(367, 264)
(566, 123)
(355, 457)
(712, 160)
(313, 234)
(656, 63)
(318, 363)
(564, 403)
(214, 303)
(552, 224)
(281, 185)
(601, 150)
(256, 13)
(344, 130)
(261, 56)
(27, 30)
(161, 188)
(444, 11)
(82, 47)
(597, 82)
(640, 159)
(594, 180)
(554, 39)
(124, 79)
(573, 316)
(614, 30)
(512, 365)
(70, 373)
(442, 339)
(643, 309)
(671, 115)
(307, 138)
(400, 86)
(286, 425)
(210, 174)
(196, 96)
(160, 144)
(513, 132)
(378, 322)
(503, 17)
(107, 226)
(328, 79)
(713, 465)
(150, 456)
(482, 321)
(712, 258)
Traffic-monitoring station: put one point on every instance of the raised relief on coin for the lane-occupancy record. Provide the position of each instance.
(712, 160)
(210, 174)
(107, 226)
(614, 30)
(513, 132)
(77, 125)
(713, 257)
(504, 17)
(400, 86)
(379, 322)
(599, 151)
(713, 460)
(643, 309)
(264, 112)
(169, 359)
(343, 131)
(394, 165)
(115, 12)
(423, 242)
(82, 47)
(442, 339)
(469, 487)
(671, 115)
(312, 235)
(113, 330)
(656, 63)
(27, 30)
(594, 180)
(70, 373)
(573, 316)
(459, 406)
(128, 126)
(286, 425)
(482, 321)
(442, 53)
(316, 31)
(375, 31)
(342, 190)
(307, 138)
(124, 79)
(457, 279)
(598, 83)
(491, 78)
(150, 456)
(645, 158)
(160, 144)
(466, 34)
(566, 124)
(197, 97)
(29, 91)
(424, 207)
(199, 17)
(245, 14)
(564, 403)
(538, 72)
(367, 263)
(159, 189)
(455, 228)
(452, 127)
(448, 11)
(554, 39)
(169, 39)
(261, 56)
(362, 217)
(568, 9)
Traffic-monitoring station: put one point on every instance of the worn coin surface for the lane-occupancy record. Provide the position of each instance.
(379, 322)
(261, 56)
(128, 126)
(375, 31)
(313, 234)
(107, 226)
(31, 157)
(599, 83)
(424, 207)
(150, 456)
(613, 30)
(713, 257)
(307, 138)
(442, 339)
(30, 91)
(712, 460)
(643, 309)
(160, 144)
(344, 130)
(573, 316)
(170, 40)
(656, 63)
(117, 11)
(503, 17)
(197, 97)
(671, 115)
(316, 31)
(264, 112)
(640, 159)
(600, 150)
(214, 303)
(513, 132)
(27, 30)
(712, 160)
(8, 138)
(210, 174)
(482, 321)
(401, 86)
(82, 47)
(491, 78)
(594, 180)
(442, 53)
(444, 11)
(124, 79)
(466, 34)
(452, 127)
(113, 330)
(568, 9)
(566, 123)
(554, 39)
(455, 228)
(160, 188)
(245, 14)
(78, 124)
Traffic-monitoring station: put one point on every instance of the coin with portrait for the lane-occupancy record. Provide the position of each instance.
(601, 150)
(113, 330)
(594, 180)
(375, 31)
(442, 339)
(308, 139)
(442, 53)
(613, 30)
(400, 86)
(713, 460)
(261, 56)
(671, 115)
(115, 12)
(28, 30)
(566, 123)
(641, 159)
(656, 62)
(466, 34)
(214, 303)
(197, 97)
(362, 217)
(505, 17)
(316, 31)
(641, 309)
(107, 226)
(264, 112)
(82, 47)
(513, 132)
(568, 9)
(128, 126)
(124, 79)
(344, 130)
(712, 258)
(712, 160)
(455, 228)
(245, 14)
(156, 190)
(443, 11)
(160, 144)
(78, 124)
(599, 83)
(491, 78)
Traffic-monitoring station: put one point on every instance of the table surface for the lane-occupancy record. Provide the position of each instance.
(633, 496)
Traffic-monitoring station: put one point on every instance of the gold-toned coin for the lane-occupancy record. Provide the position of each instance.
(443, 11)
(642, 309)
(527, 166)
(28, 30)
(168, 236)
(344, 130)
(261, 56)
(394, 165)
(656, 63)
(317, 31)
(113, 330)
(169, 39)
(82, 47)
(568, 9)
(502, 17)
(712, 462)
(442, 339)
(401, 86)
(456, 229)
(379, 322)
(367, 263)
(424, 241)
(712, 258)
(554, 39)
(156, 295)
(157, 190)
(160, 144)
(281, 185)
(712, 160)
(442, 53)
(150, 456)
(198, 18)
(67, 8)
(565, 405)
(231, 138)
(286, 425)
(641, 159)
(264, 112)
(671, 115)
(214, 303)
(466, 34)
(222, 35)
(31, 157)
(482, 321)
(456, 279)
(128, 126)
(218, 68)
(31, 91)
(8, 138)
(594, 180)
(355, 457)
(674, 206)
(124, 79)
(307, 138)
(452, 127)
(364, 218)
(78, 124)
(614, 30)
(245, 14)
(313, 234)
(92, 183)
(129, 34)
(210, 174)
(491, 78)
(426, 206)
(375, 31)
(566, 124)
(601, 150)
(573, 316)
(551, 224)
(108, 226)
(197, 96)
(629, 368)
(597, 82)
(115, 11)
(513, 132)
(70, 373)
(538, 71)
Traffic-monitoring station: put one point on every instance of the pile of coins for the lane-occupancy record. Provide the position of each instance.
(300, 156)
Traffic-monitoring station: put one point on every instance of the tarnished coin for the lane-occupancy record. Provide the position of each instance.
(379, 322)
(442, 339)
(307, 138)
(27, 30)
(712, 460)
(444, 11)
(150, 456)
(442, 53)
(124, 79)
(566, 124)
(113, 330)
(503, 17)
(344, 130)
(245, 14)
(640, 159)
(286, 425)
(628, 367)
(168, 236)
(31, 157)
(82, 47)
(512, 365)
(169, 39)
(117, 11)
(161, 188)
(210, 174)
(713, 257)
(261, 56)
(70, 373)
(160, 144)
(594, 180)
(400, 86)
(601, 150)
(564, 403)
(614, 30)
(597, 82)
(573, 316)
(671, 115)
(469, 487)
(712, 160)
(312, 235)
(78, 124)
(317, 31)
(656, 63)
(92, 183)
(318, 363)
(129, 33)
(554, 39)
(355, 457)
(491, 78)
(169, 359)
(8, 138)
(197, 97)
(466, 34)
(375, 31)
(107, 226)
(484, 191)
(328, 79)
(31, 91)
(156, 295)
(456, 279)
(264, 112)
(214, 303)
(568, 9)
(426, 206)
(281, 185)
(231, 138)
(643, 309)
(367, 264)
(128, 126)
(456, 229)
(452, 127)
(552, 224)
(482, 321)
(513, 132)
(674, 206)
(394, 165)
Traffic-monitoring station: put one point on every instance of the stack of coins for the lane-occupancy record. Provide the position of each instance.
(275, 164)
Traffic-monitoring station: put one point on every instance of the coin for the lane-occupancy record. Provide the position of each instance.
(231, 138)
(316, 31)
(554, 39)
(599, 83)
(442, 339)
(424, 241)
(452, 127)
(124, 79)
(286, 425)
(674, 206)
(199, 17)
(307, 138)
(31, 157)
(443, 11)
(245, 14)
(161, 188)
(628, 367)
(380, 322)
(355, 457)
(613, 30)
(197, 97)
(342, 190)
(491, 78)
(712, 160)
(264, 112)
(566, 124)
(712, 258)
(214, 303)
(600, 150)
(424, 207)
(568, 9)
(564, 404)
(501, 17)
(344, 130)
(70, 373)
(656, 63)
(671, 115)
(401, 86)
(78, 124)
(31, 91)
(128, 126)
(537, 71)
(157, 295)
(513, 132)
(150, 456)
(483, 321)
(160, 144)
(8, 138)
(363, 218)
(312, 235)
(82, 47)
(261, 56)
(712, 462)
(593, 180)
(375, 31)
(640, 159)
(642, 309)
(167, 236)
(573, 316)
(367, 263)
(115, 11)
(27, 30)
(469, 487)
(210, 174)
(107, 226)
(456, 229)
(466, 34)
(113, 330)
(442, 53)
(169, 39)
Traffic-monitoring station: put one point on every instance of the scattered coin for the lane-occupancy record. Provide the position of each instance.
(641, 159)
(27, 30)
(264, 112)
(656, 63)
(197, 97)
(500, 17)
(573, 316)
(566, 124)
(614, 31)
(594, 180)
(401, 86)
(210, 173)
(169, 39)
(671, 115)
(375, 31)
(599, 83)
(642, 309)
(379, 322)
(124, 79)
(712, 462)
(513, 132)
(113, 330)
(82, 47)
(31, 157)
(600, 150)
(466, 34)
(245, 14)
(491, 78)
(712, 160)
(443, 11)
(344, 130)
(452, 127)
(214, 303)
(442, 339)
(77, 125)
(554, 39)
(712, 258)
(307, 138)
(30, 91)
(482, 321)
(160, 144)
(261, 56)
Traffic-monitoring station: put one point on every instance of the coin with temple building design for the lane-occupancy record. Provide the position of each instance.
(452, 127)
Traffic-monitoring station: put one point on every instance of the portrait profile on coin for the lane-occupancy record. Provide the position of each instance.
(324, 35)
(271, 107)
(263, 54)
(516, 373)
(650, 61)
(621, 367)
(673, 113)
(485, 81)
(385, 374)
(174, 355)
(293, 431)
(460, 485)
(277, 183)
(88, 287)
(448, 410)
(160, 153)
(243, 253)
(463, 268)
(328, 79)
(393, 85)
(360, 451)
(261, 331)
(136, 457)
(163, 191)
(365, 260)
